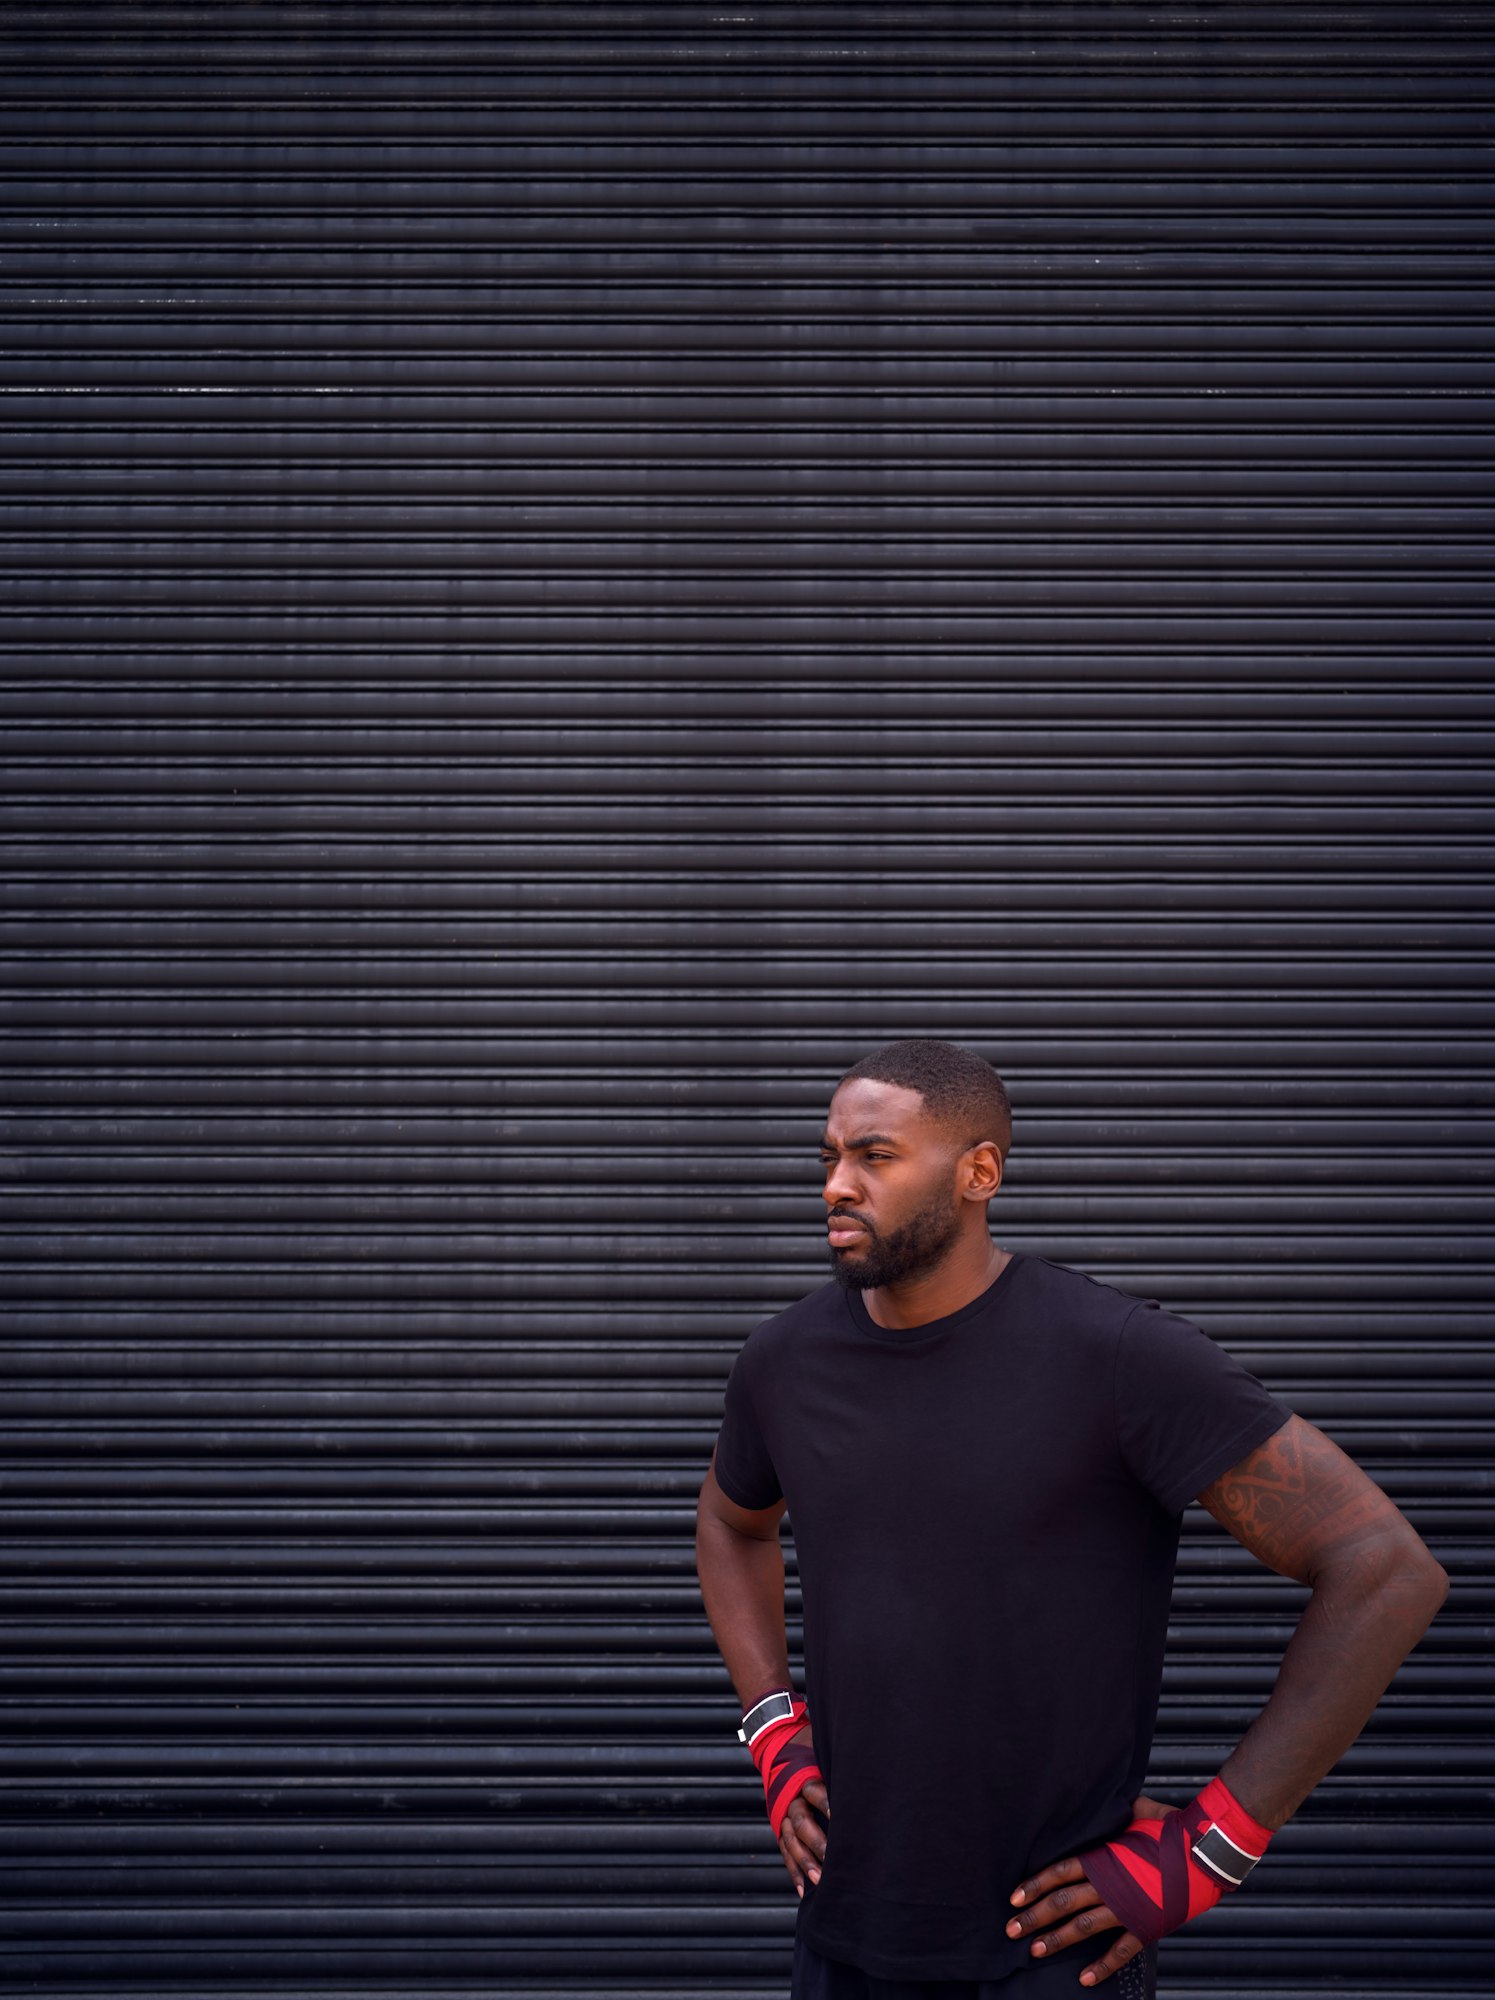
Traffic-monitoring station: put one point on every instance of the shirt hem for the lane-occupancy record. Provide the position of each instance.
(1209, 1468)
(978, 1966)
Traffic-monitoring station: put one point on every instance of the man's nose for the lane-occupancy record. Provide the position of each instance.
(840, 1184)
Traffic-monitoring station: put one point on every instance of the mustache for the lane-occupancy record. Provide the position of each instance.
(849, 1215)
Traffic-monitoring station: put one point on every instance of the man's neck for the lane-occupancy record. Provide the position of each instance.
(962, 1276)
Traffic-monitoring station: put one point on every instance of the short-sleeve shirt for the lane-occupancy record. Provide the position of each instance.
(986, 1512)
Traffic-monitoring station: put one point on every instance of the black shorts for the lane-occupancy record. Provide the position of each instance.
(817, 1978)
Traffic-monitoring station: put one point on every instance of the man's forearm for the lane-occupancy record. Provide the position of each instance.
(742, 1587)
(1359, 1625)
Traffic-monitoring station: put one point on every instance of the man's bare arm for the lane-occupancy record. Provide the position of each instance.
(741, 1567)
(1306, 1510)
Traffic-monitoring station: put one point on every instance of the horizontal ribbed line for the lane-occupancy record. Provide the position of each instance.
(1070, 1079)
(663, 977)
(406, 1718)
(554, 1761)
(230, 1194)
(190, 1437)
(785, 52)
(1335, 821)
(1355, 1847)
(1456, 934)
(309, 1264)
(698, 172)
(664, 972)
(1446, 1493)
(521, 635)
(1050, 496)
(402, 1698)
(1209, 1600)
(1038, 107)
(671, 236)
(1181, 1077)
(49, 1216)
(513, 67)
(1268, 1343)
(695, 1866)
(863, 313)
(796, 741)
(604, 411)
(1411, 360)
(687, 757)
(1317, 267)
(1397, 181)
(1382, 642)
(171, 875)
(734, 1011)
(1062, 862)
(292, 1545)
(393, 563)
(590, 1403)
(616, 351)
(1346, 113)
(884, 880)
(907, 528)
(1308, 1354)
(1366, 150)
(1265, 1329)
(818, 551)
(1152, 458)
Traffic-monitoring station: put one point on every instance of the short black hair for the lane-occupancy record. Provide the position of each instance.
(960, 1089)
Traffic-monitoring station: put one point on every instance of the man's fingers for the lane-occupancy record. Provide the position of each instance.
(1076, 1931)
(1052, 1908)
(807, 1829)
(802, 1842)
(1145, 1808)
(1052, 1877)
(1127, 1946)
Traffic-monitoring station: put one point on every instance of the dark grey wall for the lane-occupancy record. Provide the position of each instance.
(568, 570)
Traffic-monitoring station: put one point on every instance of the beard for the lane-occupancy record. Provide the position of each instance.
(924, 1241)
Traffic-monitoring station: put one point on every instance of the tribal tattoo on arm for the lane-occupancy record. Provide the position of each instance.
(1306, 1510)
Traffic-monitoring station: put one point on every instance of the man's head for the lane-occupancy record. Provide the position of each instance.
(913, 1150)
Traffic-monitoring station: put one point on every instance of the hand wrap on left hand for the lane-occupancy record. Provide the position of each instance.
(1161, 1873)
(785, 1766)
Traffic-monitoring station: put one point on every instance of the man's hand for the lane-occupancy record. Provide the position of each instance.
(1066, 1898)
(801, 1836)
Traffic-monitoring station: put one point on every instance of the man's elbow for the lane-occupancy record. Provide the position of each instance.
(1433, 1578)
(1394, 1572)
(1414, 1579)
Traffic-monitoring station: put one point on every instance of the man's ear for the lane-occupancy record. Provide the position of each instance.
(981, 1166)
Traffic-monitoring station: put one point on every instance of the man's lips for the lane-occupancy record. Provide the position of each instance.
(844, 1232)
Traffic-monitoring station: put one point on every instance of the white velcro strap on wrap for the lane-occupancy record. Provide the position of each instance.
(776, 1707)
(1227, 1862)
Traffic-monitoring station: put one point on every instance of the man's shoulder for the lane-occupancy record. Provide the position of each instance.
(816, 1310)
(1078, 1297)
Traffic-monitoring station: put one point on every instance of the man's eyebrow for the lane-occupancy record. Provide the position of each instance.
(856, 1145)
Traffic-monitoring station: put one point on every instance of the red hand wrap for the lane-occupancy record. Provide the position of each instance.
(786, 1766)
(1161, 1873)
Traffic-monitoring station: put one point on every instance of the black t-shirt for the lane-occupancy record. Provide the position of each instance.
(986, 1511)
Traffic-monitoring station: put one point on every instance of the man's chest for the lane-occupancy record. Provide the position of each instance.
(894, 1448)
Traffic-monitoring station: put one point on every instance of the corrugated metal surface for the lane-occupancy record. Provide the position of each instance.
(568, 570)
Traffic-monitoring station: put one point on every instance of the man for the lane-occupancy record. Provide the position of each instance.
(986, 1458)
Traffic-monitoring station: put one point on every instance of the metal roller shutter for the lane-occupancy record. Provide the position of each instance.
(568, 570)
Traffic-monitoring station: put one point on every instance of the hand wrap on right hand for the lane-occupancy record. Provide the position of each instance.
(1161, 1872)
(785, 1766)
